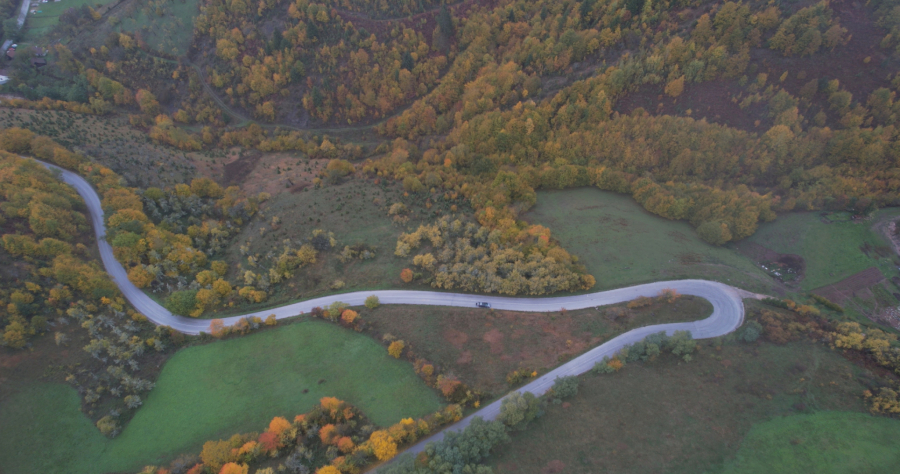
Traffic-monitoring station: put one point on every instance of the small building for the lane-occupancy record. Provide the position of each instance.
(10, 53)
(38, 62)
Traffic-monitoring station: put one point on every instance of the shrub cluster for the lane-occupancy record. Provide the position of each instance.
(334, 437)
(680, 344)
(471, 257)
(462, 451)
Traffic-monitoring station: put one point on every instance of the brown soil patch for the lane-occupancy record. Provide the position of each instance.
(465, 358)
(482, 347)
(845, 63)
(457, 338)
(714, 102)
(280, 172)
(709, 100)
(845, 289)
(495, 338)
(237, 170)
(12, 360)
(273, 173)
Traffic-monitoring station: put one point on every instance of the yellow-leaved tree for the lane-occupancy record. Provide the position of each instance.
(396, 348)
(383, 445)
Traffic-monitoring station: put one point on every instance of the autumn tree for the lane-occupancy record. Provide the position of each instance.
(234, 468)
(217, 328)
(396, 349)
(147, 102)
(675, 87)
(328, 434)
(372, 302)
(279, 425)
(716, 233)
(349, 316)
(383, 445)
(406, 275)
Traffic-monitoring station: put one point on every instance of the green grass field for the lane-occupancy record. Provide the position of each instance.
(38, 24)
(821, 443)
(621, 244)
(830, 247)
(691, 418)
(210, 392)
(166, 25)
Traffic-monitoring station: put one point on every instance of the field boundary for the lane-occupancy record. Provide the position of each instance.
(843, 290)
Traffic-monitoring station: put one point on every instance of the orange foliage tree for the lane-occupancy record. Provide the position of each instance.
(406, 275)
(279, 425)
(234, 468)
(328, 434)
(217, 327)
(346, 445)
(348, 316)
(268, 441)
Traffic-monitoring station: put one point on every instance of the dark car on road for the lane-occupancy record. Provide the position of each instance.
(483, 304)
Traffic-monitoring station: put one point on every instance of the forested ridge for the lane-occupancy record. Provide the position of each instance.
(493, 101)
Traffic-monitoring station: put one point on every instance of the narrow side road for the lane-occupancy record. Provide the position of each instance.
(20, 20)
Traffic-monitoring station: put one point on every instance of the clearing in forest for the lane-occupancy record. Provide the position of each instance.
(833, 246)
(621, 244)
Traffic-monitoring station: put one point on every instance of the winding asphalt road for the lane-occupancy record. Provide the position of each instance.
(727, 315)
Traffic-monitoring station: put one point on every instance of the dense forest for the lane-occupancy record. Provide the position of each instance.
(489, 102)
(492, 101)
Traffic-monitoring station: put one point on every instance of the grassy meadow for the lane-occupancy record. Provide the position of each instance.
(621, 244)
(733, 399)
(830, 245)
(210, 392)
(38, 24)
(166, 25)
(820, 443)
